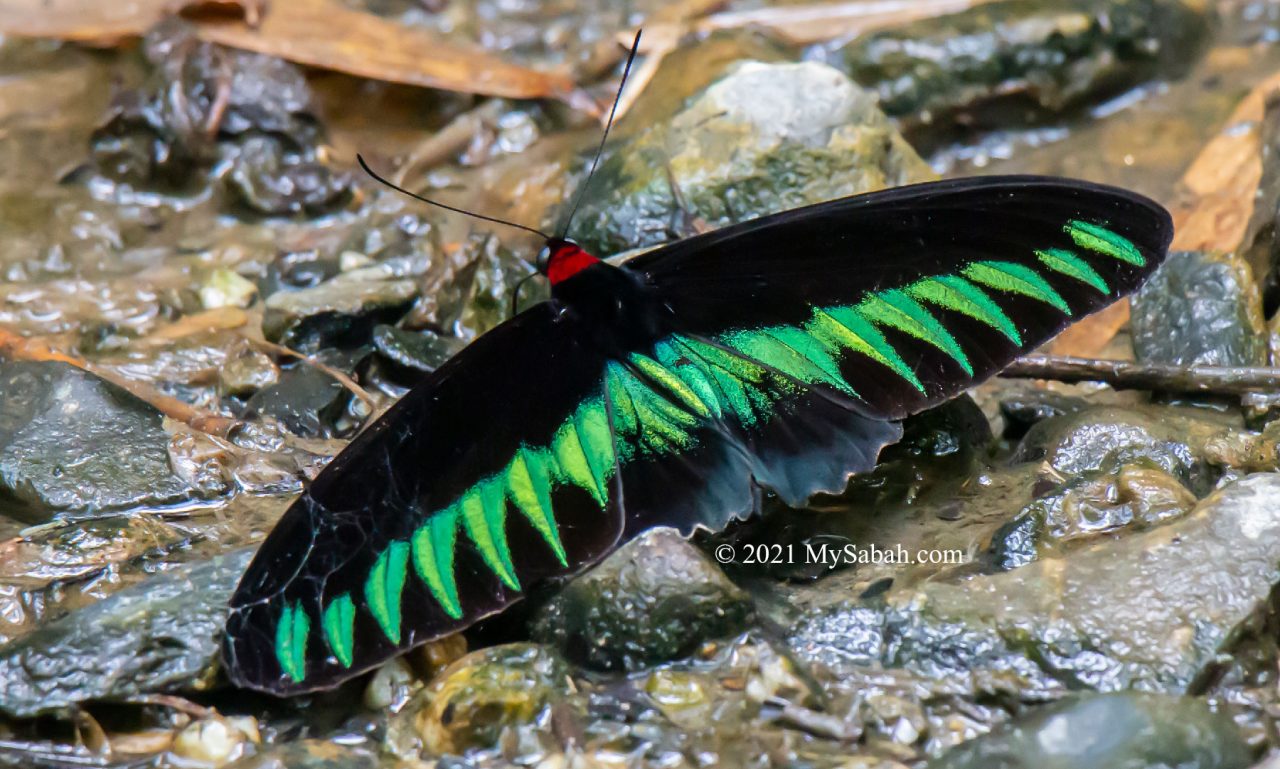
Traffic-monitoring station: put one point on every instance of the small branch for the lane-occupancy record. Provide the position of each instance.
(1163, 377)
(450, 140)
(342, 378)
(16, 347)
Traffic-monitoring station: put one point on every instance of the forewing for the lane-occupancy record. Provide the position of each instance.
(913, 294)
(495, 472)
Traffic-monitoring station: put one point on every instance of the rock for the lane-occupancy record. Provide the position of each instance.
(1194, 447)
(341, 312)
(1200, 309)
(421, 351)
(159, 635)
(74, 444)
(1007, 63)
(1124, 613)
(225, 288)
(307, 401)
(1137, 496)
(215, 741)
(310, 754)
(475, 699)
(1109, 731)
(247, 373)
(268, 178)
(655, 599)
(763, 138)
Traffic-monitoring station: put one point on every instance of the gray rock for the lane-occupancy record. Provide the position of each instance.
(307, 401)
(421, 351)
(653, 600)
(157, 636)
(1135, 612)
(72, 443)
(1003, 63)
(1109, 731)
(764, 138)
(1191, 445)
(1200, 309)
(473, 701)
(342, 311)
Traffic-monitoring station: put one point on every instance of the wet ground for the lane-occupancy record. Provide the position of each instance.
(202, 300)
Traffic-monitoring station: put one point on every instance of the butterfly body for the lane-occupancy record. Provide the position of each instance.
(777, 354)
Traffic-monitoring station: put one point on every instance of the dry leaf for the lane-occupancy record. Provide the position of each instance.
(1217, 196)
(317, 33)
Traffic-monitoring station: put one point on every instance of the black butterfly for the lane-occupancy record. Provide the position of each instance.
(777, 353)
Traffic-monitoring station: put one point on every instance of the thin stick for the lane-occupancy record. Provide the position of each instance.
(18, 347)
(1163, 377)
(343, 379)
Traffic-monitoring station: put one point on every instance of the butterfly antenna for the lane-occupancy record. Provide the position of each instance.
(515, 293)
(582, 191)
(447, 207)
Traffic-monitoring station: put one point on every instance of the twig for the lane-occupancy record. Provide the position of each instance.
(342, 378)
(17, 347)
(1163, 377)
(450, 140)
(173, 702)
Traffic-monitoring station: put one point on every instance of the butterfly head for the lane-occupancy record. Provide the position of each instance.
(561, 259)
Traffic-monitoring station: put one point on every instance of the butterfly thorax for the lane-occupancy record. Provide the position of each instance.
(617, 302)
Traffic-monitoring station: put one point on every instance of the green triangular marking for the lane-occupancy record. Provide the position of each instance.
(339, 628)
(433, 549)
(1103, 241)
(531, 490)
(1016, 279)
(671, 355)
(291, 641)
(1064, 262)
(843, 326)
(484, 513)
(672, 383)
(384, 589)
(895, 309)
(571, 458)
(955, 293)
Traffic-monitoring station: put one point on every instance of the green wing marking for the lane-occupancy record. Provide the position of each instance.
(339, 628)
(1066, 263)
(384, 588)
(1101, 240)
(661, 400)
(433, 550)
(291, 641)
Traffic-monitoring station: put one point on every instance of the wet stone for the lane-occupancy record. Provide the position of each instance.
(1111, 731)
(1200, 309)
(1195, 447)
(763, 138)
(340, 312)
(473, 701)
(72, 443)
(1008, 63)
(309, 754)
(1138, 496)
(267, 178)
(655, 599)
(422, 351)
(161, 635)
(1120, 613)
(309, 402)
(247, 373)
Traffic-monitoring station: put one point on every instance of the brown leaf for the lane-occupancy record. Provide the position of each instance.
(317, 33)
(1217, 195)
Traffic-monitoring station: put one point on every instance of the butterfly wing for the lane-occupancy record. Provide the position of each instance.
(493, 473)
(838, 318)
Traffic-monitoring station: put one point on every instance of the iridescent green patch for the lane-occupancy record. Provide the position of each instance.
(844, 327)
(530, 485)
(894, 308)
(433, 551)
(955, 293)
(1014, 278)
(1103, 241)
(1066, 263)
(792, 352)
(484, 516)
(339, 628)
(291, 641)
(384, 589)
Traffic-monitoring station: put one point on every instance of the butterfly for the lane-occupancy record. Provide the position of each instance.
(780, 353)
